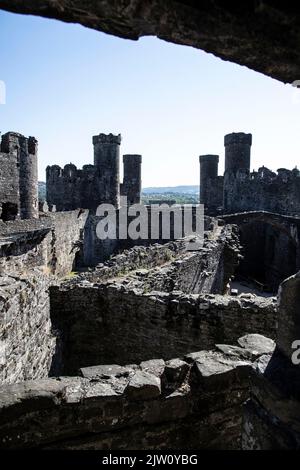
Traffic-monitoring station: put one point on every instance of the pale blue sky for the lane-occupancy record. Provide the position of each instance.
(171, 103)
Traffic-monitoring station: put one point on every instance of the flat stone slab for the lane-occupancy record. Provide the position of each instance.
(257, 344)
(211, 363)
(104, 371)
(234, 351)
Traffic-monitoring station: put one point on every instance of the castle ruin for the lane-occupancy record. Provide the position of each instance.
(79, 350)
(69, 188)
(149, 345)
(239, 189)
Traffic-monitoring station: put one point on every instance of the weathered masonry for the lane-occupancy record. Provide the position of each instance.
(18, 177)
(239, 189)
(69, 188)
(192, 402)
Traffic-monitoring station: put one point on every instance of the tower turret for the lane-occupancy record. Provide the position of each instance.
(208, 170)
(107, 161)
(237, 168)
(237, 151)
(22, 161)
(208, 181)
(132, 181)
(29, 198)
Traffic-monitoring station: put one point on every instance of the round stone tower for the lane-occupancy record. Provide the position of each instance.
(132, 181)
(26, 180)
(237, 151)
(237, 169)
(107, 161)
(208, 171)
(29, 179)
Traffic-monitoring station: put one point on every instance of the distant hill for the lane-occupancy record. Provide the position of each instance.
(176, 194)
(168, 192)
(171, 189)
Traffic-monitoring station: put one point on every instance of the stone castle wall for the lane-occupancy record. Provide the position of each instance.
(278, 193)
(51, 242)
(269, 246)
(271, 416)
(27, 342)
(240, 190)
(70, 188)
(188, 403)
(207, 269)
(119, 325)
(153, 293)
(256, 191)
(66, 241)
(33, 253)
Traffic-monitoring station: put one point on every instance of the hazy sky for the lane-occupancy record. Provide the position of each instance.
(66, 83)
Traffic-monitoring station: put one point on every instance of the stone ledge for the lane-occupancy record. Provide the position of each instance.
(112, 398)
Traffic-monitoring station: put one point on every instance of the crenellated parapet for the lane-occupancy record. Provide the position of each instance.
(238, 138)
(107, 139)
(11, 141)
(53, 171)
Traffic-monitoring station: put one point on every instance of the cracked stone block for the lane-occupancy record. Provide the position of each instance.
(143, 386)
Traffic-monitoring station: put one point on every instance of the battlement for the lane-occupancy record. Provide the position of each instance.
(70, 170)
(283, 174)
(209, 158)
(238, 138)
(264, 189)
(12, 140)
(107, 139)
(53, 171)
(89, 169)
(132, 158)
